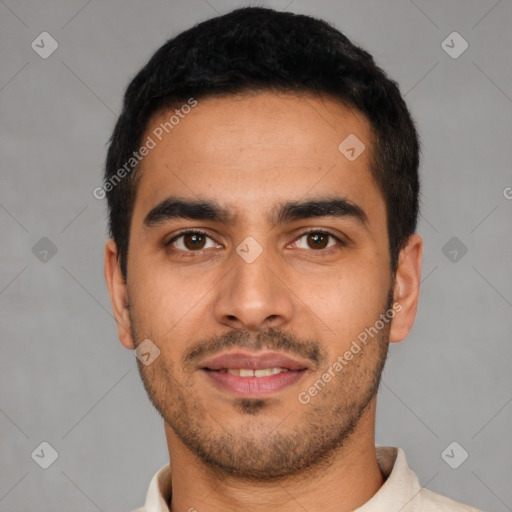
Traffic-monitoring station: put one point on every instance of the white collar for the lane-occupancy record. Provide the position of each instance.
(400, 492)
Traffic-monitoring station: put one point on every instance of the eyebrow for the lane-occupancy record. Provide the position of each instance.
(174, 207)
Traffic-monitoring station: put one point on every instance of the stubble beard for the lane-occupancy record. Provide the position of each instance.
(304, 439)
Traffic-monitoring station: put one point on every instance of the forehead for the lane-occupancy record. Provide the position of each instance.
(250, 151)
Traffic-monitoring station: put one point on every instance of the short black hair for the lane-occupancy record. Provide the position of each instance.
(260, 49)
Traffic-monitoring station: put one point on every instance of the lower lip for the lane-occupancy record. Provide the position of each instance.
(253, 387)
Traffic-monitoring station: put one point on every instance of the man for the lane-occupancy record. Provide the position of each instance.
(262, 183)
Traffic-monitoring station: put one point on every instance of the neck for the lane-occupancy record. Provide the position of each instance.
(349, 481)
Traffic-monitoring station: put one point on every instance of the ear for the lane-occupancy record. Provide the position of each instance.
(407, 288)
(118, 295)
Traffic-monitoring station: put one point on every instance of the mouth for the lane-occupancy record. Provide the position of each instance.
(253, 375)
(247, 372)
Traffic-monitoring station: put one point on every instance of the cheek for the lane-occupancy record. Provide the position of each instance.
(169, 305)
(343, 304)
(161, 291)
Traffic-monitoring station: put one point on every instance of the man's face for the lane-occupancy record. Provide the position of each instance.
(260, 286)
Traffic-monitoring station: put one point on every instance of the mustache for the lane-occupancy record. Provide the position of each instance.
(272, 339)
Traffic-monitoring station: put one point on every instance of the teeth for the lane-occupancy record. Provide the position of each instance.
(264, 372)
(246, 372)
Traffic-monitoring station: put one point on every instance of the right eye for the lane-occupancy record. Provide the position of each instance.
(190, 241)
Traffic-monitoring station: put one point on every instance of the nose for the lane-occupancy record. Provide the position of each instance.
(254, 295)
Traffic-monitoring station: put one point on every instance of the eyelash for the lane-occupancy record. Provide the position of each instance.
(186, 254)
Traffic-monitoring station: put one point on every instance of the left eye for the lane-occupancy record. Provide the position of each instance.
(317, 240)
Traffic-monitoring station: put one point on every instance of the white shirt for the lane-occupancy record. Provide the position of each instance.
(401, 492)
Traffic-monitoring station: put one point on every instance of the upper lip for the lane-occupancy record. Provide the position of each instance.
(252, 361)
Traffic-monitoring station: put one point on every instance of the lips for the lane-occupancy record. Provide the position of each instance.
(253, 375)
(253, 361)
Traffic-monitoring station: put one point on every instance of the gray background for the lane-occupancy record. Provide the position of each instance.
(65, 378)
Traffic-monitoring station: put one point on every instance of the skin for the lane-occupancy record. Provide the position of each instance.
(251, 153)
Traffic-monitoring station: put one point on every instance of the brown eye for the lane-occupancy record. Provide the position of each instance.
(316, 240)
(194, 241)
(190, 241)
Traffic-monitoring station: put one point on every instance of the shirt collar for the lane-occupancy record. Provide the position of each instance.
(400, 487)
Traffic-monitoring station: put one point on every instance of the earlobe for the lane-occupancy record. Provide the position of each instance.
(118, 294)
(407, 288)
